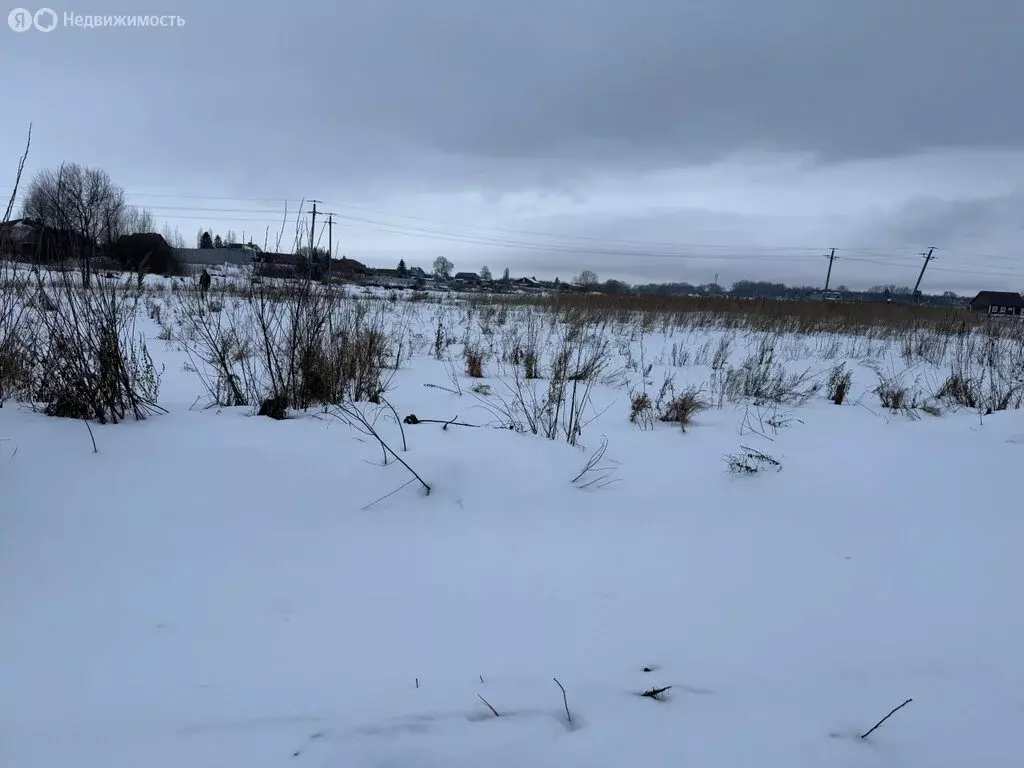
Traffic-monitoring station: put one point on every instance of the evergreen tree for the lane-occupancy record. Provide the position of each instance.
(217, 242)
(205, 241)
(402, 269)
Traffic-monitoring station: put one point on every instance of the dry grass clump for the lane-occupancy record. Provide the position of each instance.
(641, 410)
(762, 380)
(681, 408)
(474, 357)
(839, 382)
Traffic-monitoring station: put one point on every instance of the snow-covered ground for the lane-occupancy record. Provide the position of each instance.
(217, 589)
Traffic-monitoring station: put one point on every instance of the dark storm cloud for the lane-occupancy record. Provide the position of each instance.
(392, 99)
(559, 83)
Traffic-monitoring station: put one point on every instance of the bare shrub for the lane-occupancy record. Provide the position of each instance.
(216, 345)
(303, 346)
(524, 349)
(559, 409)
(312, 350)
(985, 371)
(16, 333)
(89, 362)
(839, 382)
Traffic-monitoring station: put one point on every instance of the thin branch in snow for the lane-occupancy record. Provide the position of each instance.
(91, 436)
(485, 701)
(446, 389)
(893, 712)
(601, 474)
(565, 699)
(355, 418)
(389, 495)
(655, 693)
(405, 445)
(412, 419)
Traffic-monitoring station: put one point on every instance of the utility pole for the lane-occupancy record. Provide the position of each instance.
(311, 256)
(828, 277)
(312, 228)
(927, 257)
(330, 243)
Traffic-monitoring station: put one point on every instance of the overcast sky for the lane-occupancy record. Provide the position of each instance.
(647, 140)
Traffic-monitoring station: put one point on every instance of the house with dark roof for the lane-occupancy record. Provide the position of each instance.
(147, 251)
(998, 303)
(30, 240)
(347, 269)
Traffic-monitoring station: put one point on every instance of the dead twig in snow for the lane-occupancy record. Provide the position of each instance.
(446, 389)
(405, 445)
(355, 418)
(602, 474)
(485, 701)
(655, 693)
(897, 709)
(565, 699)
(387, 495)
(412, 419)
(91, 436)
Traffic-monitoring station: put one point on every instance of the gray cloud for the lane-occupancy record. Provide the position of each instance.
(388, 101)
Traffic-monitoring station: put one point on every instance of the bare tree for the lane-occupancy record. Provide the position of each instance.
(587, 278)
(135, 221)
(83, 207)
(173, 236)
(17, 177)
(443, 268)
(485, 273)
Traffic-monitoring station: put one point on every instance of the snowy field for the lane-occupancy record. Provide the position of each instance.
(215, 589)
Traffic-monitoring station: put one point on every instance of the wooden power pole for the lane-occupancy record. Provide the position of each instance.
(828, 277)
(330, 245)
(312, 230)
(927, 258)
